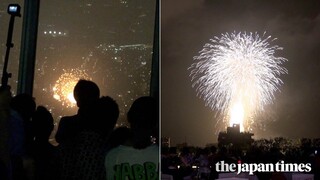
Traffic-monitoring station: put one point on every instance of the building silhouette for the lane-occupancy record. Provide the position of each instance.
(233, 138)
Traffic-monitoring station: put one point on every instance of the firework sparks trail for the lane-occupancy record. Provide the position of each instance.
(63, 89)
(237, 75)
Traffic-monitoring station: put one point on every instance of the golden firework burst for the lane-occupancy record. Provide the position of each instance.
(63, 88)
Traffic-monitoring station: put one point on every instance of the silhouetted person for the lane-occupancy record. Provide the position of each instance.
(84, 158)
(44, 153)
(86, 93)
(5, 99)
(139, 157)
(213, 159)
(170, 162)
(186, 159)
(203, 161)
(21, 135)
(23, 106)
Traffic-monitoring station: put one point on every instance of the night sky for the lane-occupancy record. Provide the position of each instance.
(186, 25)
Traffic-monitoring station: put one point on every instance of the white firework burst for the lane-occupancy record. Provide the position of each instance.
(238, 73)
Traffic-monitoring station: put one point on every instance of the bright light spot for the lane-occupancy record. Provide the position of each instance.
(71, 98)
(237, 115)
(57, 97)
(63, 89)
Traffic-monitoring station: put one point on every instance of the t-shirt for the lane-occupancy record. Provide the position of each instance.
(124, 162)
(83, 158)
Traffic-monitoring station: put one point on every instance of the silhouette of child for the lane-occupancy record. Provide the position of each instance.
(139, 157)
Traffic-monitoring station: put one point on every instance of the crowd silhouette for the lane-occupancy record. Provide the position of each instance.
(86, 141)
(91, 147)
(189, 162)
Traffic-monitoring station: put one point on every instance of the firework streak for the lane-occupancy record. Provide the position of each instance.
(237, 74)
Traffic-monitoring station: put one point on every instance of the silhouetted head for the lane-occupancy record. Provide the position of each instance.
(86, 92)
(108, 108)
(42, 121)
(103, 114)
(143, 119)
(24, 104)
(143, 112)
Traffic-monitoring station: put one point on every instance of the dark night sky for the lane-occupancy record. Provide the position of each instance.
(186, 25)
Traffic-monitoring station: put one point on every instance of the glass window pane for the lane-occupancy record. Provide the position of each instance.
(108, 42)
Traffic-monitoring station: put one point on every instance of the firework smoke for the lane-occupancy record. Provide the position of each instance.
(237, 75)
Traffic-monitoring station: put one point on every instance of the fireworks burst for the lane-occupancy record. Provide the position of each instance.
(63, 89)
(237, 74)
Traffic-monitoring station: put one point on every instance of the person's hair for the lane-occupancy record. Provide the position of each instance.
(24, 104)
(109, 108)
(42, 121)
(143, 112)
(143, 119)
(86, 92)
(103, 115)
